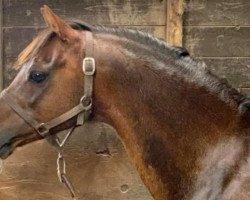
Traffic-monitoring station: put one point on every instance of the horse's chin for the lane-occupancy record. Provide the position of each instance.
(6, 150)
(9, 146)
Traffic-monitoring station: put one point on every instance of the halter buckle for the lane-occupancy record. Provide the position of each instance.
(42, 130)
(88, 66)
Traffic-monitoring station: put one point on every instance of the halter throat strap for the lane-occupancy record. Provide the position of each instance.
(82, 110)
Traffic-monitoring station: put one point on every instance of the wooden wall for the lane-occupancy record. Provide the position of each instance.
(216, 31)
(22, 19)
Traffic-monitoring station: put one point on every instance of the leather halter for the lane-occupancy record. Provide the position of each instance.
(82, 111)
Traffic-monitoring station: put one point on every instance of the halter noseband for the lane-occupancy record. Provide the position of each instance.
(82, 111)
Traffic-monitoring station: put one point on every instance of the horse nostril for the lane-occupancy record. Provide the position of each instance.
(245, 106)
(42, 129)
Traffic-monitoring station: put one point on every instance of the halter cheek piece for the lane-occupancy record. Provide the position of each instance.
(82, 111)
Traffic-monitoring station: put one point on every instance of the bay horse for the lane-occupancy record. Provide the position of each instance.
(186, 131)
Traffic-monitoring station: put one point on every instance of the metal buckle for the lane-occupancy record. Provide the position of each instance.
(42, 130)
(88, 66)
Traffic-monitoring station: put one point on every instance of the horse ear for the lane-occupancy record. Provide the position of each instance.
(245, 114)
(59, 26)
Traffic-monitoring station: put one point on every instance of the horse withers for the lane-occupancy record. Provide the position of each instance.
(185, 130)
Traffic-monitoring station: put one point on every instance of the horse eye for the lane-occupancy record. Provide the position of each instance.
(38, 77)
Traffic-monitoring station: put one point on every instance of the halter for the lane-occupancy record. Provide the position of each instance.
(82, 111)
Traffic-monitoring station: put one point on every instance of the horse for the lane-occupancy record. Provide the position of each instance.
(185, 130)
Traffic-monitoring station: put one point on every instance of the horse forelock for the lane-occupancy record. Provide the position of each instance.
(32, 49)
(38, 42)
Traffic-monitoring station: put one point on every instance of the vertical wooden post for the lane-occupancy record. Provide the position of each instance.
(1, 45)
(174, 32)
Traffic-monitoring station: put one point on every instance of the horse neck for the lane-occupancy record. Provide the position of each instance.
(165, 134)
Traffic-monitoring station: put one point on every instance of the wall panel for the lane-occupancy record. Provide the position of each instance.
(218, 32)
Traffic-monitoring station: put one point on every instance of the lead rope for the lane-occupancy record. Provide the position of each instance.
(61, 163)
(58, 144)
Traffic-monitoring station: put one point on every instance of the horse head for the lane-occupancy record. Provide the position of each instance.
(49, 83)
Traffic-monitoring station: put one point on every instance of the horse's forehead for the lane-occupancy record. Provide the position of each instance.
(41, 61)
(47, 56)
(28, 65)
(50, 50)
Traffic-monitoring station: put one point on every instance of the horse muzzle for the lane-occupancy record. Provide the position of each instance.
(6, 150)
(13, 131)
